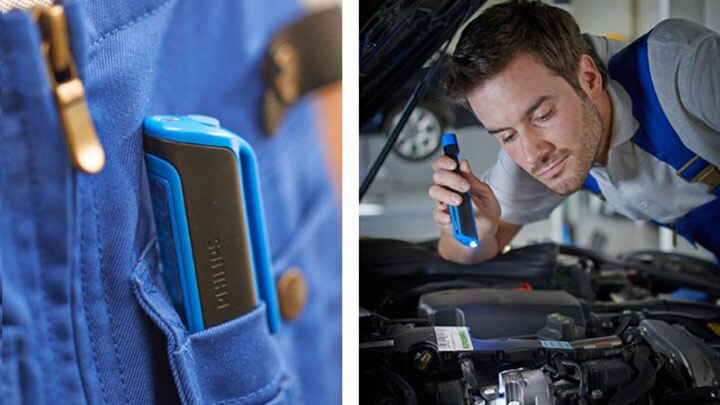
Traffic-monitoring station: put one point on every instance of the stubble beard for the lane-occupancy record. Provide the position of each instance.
(578, 165)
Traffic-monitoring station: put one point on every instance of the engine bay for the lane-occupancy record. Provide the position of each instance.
(545, 324)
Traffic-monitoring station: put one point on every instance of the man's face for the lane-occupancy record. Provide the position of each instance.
(541, 122)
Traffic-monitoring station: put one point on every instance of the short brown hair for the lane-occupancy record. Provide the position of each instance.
(495, 37)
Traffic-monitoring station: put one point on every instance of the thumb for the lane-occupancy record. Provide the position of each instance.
(467, 173)
(465, 167)
(476, 185)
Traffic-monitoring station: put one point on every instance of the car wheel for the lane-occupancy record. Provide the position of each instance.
(422, 133)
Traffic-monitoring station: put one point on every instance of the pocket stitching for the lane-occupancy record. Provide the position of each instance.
(274, 383)
(142, 270)
(179, 345)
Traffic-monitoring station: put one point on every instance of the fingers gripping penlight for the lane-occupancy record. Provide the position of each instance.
(209, 218)
(463, 220)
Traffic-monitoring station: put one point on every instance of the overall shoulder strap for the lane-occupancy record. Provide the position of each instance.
(631, 68)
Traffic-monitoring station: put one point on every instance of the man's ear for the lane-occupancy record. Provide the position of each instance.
(589, 77)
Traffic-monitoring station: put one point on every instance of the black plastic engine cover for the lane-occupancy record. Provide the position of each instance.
(497, 313)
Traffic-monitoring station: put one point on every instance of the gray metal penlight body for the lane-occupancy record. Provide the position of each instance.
(463, 220)
(206, 199)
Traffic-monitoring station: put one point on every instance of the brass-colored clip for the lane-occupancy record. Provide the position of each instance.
(83, 144)
(709, 176)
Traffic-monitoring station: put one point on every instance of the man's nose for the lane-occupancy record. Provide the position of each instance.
(537, 150)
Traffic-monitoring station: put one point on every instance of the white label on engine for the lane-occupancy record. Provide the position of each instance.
(453, 338)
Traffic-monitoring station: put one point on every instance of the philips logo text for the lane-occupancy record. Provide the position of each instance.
(217, 266)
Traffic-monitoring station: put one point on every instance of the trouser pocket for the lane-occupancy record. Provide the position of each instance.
(234, 362)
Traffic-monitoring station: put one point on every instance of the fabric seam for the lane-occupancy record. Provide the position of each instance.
(274, 383)
(152, 313)
(130, 23)
(171, 336)
(107, 309)
(75, 272)
(33, 170)
(93, 342)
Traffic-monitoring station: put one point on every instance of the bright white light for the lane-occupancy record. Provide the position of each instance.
(473, 244)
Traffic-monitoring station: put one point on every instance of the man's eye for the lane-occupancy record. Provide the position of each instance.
(544, 117)
(507, 138)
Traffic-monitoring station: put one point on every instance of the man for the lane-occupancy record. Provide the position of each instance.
(575, 111)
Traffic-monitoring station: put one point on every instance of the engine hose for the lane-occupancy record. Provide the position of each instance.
(407, 391)
(582, 376)
(642, 384)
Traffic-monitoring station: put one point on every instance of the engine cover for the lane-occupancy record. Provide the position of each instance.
(496, 313)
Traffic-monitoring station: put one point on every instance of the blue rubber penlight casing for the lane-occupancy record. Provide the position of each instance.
(463, 220)
(206, 199)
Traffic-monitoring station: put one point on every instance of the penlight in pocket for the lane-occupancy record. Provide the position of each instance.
(208, 213)
(463, 220)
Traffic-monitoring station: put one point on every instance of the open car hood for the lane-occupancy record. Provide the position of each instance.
(397, 37)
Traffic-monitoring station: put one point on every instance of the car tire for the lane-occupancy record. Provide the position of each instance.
(421, 137)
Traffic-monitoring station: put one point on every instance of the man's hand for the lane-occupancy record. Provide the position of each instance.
(449, 189)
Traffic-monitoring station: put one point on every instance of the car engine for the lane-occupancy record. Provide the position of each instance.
(541, 325)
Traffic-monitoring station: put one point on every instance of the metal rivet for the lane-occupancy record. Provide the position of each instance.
(292, 293)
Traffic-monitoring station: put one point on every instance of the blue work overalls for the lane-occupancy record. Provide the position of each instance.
(84, 319)
(630, 67)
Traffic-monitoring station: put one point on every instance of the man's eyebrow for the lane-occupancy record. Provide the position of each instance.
(527, 112)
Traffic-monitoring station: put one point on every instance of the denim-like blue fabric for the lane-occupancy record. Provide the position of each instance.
(86, 318)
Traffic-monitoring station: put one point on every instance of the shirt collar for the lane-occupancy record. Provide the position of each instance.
(624, 124)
